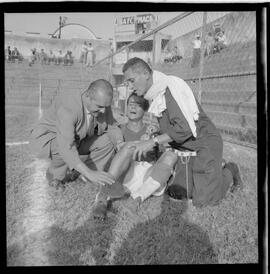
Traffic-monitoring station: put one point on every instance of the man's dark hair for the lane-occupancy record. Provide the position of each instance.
(140, 100)
(136, 63)
(99, 84)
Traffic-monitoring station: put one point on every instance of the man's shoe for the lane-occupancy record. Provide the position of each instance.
(114, 191)
(237, 181)
(176, 192)
(57, 184)
(100, 207)
(71, 175)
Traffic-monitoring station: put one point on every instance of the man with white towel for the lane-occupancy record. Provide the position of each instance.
(184, 124)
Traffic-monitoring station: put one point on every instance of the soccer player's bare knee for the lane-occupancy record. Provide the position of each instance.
(121, 161)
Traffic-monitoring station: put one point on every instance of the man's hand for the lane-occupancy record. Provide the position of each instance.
(100, 177)
(119, 145)
(141, 148)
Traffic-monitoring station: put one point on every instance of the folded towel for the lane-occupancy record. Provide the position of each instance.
(181, 93)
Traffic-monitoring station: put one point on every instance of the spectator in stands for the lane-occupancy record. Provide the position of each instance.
(37, 56)
(33, 57)
(43, 57)
(172, 56)
(196, 51)
(176, 55)
(56, 57)
(90, 55)
(16, 55)
(68, 59)
(167, 56)
(83, 57)
(136, 178)
(59, 57)
(221, 41)
(184, 125)
(78, 135)
(209, 44)
(51, 57)
(8, 54)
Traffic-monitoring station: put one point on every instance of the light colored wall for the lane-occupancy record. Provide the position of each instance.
(25, 44)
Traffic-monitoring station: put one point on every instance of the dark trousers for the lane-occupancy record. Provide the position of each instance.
(207, 182)
(95, 151)
(196, 58)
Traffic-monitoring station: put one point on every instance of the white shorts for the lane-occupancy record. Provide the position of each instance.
(137, 175)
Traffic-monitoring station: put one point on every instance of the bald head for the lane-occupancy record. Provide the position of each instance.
(100, 87)
(98, 96)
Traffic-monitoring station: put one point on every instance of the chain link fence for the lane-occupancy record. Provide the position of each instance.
(215, 53)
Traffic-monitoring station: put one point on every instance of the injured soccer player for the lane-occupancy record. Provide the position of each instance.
(143, 176)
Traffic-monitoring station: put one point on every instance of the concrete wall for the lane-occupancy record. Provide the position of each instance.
(25, 44)
(239, 27)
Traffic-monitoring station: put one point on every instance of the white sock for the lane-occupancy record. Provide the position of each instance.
(147, 189)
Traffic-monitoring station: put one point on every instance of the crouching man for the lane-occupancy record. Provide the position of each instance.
(79, 135)
(142, 176)
(183, 123)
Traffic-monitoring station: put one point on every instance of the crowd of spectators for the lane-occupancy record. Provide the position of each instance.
(215, 42)
(173, 56)
(13, 55)
(54, 57)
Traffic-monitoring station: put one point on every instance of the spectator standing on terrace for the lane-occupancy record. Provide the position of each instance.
(60, 57)
(137, 178)
(79, 136)
(33, 57)
(209, 44)
(90, 55)
(43, 57)
(15, 55)
(68, 59)
(8, 53)
(196, 51)
(183, 123)
(51, 57)
(83, 56)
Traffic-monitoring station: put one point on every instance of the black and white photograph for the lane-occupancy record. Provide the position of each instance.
(131, 134)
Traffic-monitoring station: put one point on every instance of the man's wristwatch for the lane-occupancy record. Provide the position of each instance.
(155, 139)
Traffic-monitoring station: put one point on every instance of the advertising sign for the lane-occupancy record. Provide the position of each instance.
(132, 24)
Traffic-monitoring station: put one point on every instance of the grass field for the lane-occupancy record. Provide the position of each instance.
(46, 227)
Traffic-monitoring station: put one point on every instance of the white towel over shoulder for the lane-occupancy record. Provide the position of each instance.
(181, 93)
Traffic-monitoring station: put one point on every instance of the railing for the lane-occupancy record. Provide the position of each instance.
(222, 77)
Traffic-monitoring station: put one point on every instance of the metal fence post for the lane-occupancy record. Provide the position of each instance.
(40, 100)
(154, 50)
(202, 56)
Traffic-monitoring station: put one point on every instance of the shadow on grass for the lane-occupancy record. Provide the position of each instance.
(167, 239)
(87, 245)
